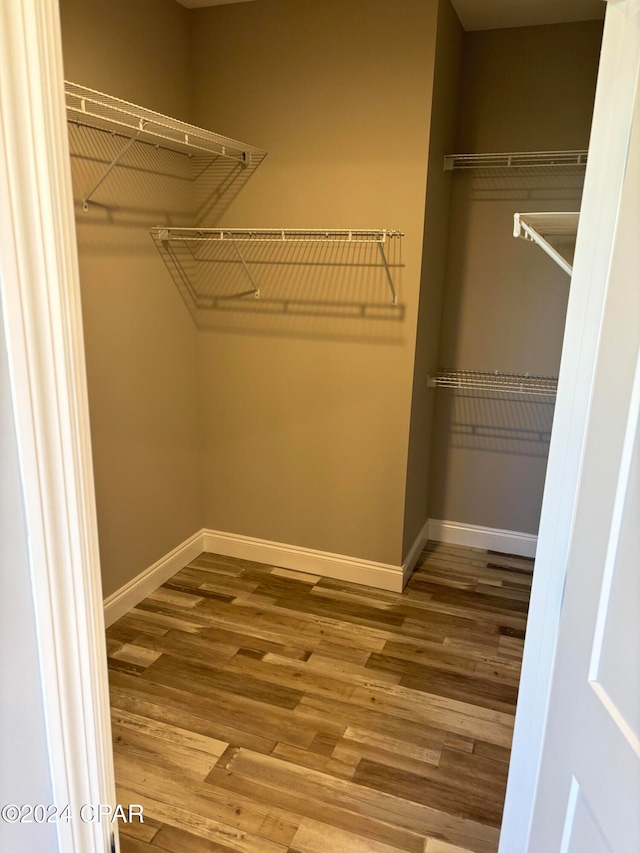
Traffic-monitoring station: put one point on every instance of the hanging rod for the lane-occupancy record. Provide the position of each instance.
(163, 237)
(504, 383)
(516, 159)
(90, 108)
(536, 227)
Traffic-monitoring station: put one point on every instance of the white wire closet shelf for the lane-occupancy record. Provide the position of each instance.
(90, 108)
(239, 237)
(504, 383)
(516, 159)
(536, 227)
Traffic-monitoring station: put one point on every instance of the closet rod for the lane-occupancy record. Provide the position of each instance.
(504, 383)
(516, 159)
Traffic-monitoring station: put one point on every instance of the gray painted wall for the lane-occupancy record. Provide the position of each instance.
(305, 414)
(140, 342)
(524, 89)
(449, 43)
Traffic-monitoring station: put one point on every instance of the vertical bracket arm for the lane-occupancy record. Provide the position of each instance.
(394, 296)
(535, 237)
(256, 289)
(111, 166)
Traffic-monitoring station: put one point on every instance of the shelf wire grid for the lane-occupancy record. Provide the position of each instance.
(278, 235)
(504, 383)
(104, 112)
(516, 159)
(188, 251)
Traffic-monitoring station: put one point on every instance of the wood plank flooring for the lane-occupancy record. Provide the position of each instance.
(260, 710)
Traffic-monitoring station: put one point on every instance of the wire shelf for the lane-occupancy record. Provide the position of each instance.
(132, 123)
(516, 160)
(277, 235)
(175, 246)
(504, 383)
(104, 112)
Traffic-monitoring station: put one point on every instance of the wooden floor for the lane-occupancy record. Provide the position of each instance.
(258, 709)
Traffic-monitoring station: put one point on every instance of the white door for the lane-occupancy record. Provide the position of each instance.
(588, 792)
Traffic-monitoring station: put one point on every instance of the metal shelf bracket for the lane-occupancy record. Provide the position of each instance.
(246, 269)
(385, 264)
(111, 166)
(535, 227)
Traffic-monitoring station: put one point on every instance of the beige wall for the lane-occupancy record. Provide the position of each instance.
(434, 259)
(523, 89)
(138, 51)
(140, 340)
(305, 419)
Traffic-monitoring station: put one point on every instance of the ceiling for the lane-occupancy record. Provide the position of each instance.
(494, 14)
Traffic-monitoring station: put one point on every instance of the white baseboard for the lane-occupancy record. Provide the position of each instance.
(416, 549)
(311, 561)
(328, 565)
(123, 599)
(308, 560)
(487, 538)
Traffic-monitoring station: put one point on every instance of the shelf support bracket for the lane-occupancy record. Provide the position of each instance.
(535, 237)
(394, 296)
(111, 166)
(256, 289)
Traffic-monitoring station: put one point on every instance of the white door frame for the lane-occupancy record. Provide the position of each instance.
(610, 135)
(42, 314)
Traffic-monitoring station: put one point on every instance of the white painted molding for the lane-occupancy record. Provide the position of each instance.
(414, 553)
(123, 599)
(353, 569)
(487, 538)
(380, 575)
(43, 319)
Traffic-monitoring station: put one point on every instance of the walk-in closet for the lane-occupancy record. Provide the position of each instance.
(325, 253)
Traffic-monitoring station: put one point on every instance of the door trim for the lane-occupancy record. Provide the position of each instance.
(42, 315)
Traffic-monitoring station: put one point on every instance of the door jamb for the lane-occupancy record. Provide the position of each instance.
(40, 292)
